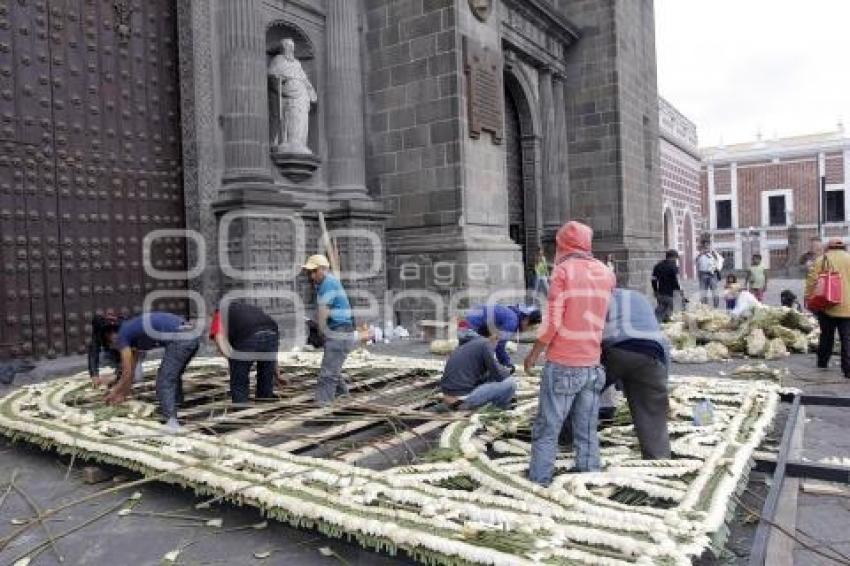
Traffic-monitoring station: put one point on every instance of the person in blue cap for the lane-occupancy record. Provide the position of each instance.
(507, 321)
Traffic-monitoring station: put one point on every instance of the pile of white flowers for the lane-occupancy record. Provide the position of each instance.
(473, 504)
(704, 334)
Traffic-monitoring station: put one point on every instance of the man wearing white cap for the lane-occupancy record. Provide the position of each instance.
(334, 320)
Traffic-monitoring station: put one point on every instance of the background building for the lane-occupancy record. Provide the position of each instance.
(680, 184)
(762, 197)
(458, 133)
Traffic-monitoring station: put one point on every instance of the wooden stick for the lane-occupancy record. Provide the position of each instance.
(39, 517)
(333, 258)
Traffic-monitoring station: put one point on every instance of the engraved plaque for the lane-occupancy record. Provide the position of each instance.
(484, 94)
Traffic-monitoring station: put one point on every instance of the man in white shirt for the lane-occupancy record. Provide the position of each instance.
(707, 276)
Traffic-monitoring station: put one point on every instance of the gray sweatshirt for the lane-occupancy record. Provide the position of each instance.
(469, 366)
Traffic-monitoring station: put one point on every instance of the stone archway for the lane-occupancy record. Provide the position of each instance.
(521, 148)
(670, 239)
(688, 256)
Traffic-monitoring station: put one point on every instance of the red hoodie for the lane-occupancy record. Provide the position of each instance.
(579, 292)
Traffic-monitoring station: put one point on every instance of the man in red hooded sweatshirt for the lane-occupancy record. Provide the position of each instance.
(579, 293)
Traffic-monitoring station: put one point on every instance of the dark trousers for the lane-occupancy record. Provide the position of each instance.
(664, 308)
(828, 326)
(169, 377)
(260, 347)
(644, 381)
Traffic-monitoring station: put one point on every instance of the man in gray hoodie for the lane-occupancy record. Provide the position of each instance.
(636, 353)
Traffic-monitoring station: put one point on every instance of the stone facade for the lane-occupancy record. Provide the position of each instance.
(762, 197)
(680, 185)
(394, 153)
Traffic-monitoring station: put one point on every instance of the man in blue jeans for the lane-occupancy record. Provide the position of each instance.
(146, 332)
(473, 378)
(245, 335)
(333, 318)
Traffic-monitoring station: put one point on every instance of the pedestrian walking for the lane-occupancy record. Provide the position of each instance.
(836, 317)
(541, 275)
(665, 284)
(756, 279)
(571, 336)
(707, 271)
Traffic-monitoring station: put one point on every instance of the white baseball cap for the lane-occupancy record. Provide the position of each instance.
(314, 262)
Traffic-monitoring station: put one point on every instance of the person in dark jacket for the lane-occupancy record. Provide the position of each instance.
(504, 321)
(245, 335)
(665, 284)
(636, 353)
(473, 378)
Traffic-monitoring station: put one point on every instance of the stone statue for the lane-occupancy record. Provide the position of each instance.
(294, 94)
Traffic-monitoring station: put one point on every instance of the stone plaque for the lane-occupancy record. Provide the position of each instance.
(484, 93)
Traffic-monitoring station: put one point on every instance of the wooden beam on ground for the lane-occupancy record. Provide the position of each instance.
(356, 456)
(281, 426)
(780, 547)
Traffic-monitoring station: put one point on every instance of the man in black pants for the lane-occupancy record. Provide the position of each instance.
(835, 317)
(244, 334)
(635, 352)
(665, 283)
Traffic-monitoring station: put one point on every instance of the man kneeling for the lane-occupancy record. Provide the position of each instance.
(473, 378)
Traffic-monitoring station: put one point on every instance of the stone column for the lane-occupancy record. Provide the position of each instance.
(551, 209)
(562, 178)
(345, 132)
(244, 89)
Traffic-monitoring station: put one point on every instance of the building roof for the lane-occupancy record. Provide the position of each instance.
(836, 140)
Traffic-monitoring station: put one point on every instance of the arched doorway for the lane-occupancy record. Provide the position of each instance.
(688, 260)
(514, 178)
(669, 230)
(520, 157)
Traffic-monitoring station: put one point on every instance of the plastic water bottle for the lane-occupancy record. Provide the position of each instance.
(703, 413)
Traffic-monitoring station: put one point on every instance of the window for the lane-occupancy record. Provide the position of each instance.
(728, 259)
(777, 215)
(724, 214)
(835, 206)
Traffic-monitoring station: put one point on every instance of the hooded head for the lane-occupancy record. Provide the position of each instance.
(574, 237)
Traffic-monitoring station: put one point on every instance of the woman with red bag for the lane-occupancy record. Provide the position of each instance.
(828, 296)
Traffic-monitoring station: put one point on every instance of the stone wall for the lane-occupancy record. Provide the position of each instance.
(612, 124)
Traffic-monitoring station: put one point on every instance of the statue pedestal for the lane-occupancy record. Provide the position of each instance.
(296, 167)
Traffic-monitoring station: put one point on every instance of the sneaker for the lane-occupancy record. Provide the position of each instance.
(172, 426)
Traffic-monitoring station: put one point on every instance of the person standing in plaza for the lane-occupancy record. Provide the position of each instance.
(333, 317)
(636, 353)
(665, 284)
(836, 317)
(246, 335)
(541, 274)
(571, 336)
(756, 279)
(707, 275)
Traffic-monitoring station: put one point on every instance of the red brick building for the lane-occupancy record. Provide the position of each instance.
(763, 196)
(680, 184)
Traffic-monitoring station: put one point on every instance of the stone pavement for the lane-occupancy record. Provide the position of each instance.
(144, 540)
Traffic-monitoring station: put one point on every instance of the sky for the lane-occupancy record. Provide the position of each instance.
(737, 67)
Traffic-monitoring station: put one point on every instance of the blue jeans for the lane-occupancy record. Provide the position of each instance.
(331, 383)
(708, 282)
(564, 391)
(169, 378)
(541, 285)
(265, 342)
(498, 393)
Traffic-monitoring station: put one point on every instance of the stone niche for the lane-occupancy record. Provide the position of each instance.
(297, 165)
